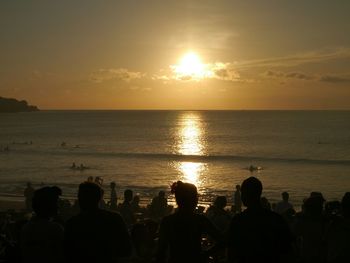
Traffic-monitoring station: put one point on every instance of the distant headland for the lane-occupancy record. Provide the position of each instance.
(12, 105)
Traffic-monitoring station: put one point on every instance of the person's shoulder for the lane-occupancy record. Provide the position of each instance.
(56, 228)
(274, 217)
(200, 217)
(271, 214)
(238, 218)
(169, 217)
(109, 214)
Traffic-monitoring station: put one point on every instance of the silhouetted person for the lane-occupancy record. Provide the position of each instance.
(159, 206)
(28, 195)
(144, 239)
(41, 238)
(114, 199)
(257, 234)
(218, 215)
(283, 206)
(265, 203)
(98, 180)
(237, 201)
(125, 208)
(135, 204)
(95, 235)
(180, 233)
(338, 235)
(310, 229)
(102, 204)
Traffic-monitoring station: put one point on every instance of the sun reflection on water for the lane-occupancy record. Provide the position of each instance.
(191, 142)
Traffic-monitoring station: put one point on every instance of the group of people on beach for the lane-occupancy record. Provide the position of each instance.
(100, 232)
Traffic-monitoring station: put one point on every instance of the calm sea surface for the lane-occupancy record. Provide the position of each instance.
(299, 151)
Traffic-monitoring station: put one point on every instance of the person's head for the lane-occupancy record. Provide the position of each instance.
(345, 205)
(89, 196)
(128, 195)
(161, 194)
(238, 187)
(29, 184)
(90, 179)
(313, 205)
(112, 185)
(186, 195)
(285, 196)
(251, 190)
(44, 202)
(220, 202)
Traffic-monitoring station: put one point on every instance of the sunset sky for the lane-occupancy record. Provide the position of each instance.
(204, 54)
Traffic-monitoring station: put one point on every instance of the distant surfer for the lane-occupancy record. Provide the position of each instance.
(253, 168)
(73, 166)
(82, 167)
(63, 144)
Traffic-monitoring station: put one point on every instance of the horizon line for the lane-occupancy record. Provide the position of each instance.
(84, 109)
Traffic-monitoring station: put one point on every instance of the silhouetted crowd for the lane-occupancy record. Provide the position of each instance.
(91, 230)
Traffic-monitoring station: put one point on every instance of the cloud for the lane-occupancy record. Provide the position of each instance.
(330, 78)
(335, 78)
(288, 75)
(297, 59)
(217, 70)
(115, 74)
(224, 71)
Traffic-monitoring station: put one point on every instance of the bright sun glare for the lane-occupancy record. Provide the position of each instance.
(191, 67)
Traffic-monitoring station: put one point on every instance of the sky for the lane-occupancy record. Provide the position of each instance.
(84, 54)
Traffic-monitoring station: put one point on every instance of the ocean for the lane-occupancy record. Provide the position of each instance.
(297, 151)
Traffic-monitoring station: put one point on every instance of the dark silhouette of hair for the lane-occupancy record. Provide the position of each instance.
(89, 196)
(285, 196)
(44, 201)
(314, 205)
(345, 205)
(128, 194)
(186, 195)
(220, 202)
(251, 190)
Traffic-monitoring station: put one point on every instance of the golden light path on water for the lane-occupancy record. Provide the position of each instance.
(191, 141)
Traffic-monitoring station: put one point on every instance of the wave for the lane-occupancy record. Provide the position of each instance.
(192, 158)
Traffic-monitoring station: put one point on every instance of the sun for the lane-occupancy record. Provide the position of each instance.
(190, 67)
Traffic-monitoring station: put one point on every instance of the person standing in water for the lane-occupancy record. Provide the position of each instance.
(237, 199)
(113, 202)
(28, 195)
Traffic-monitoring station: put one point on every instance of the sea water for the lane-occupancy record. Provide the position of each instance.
(297, 151)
